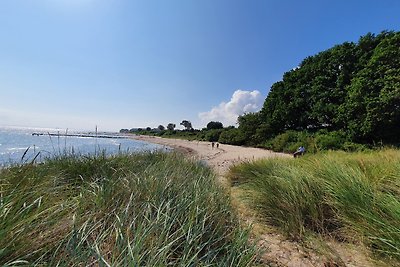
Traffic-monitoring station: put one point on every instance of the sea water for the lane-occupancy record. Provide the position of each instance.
(18, 145)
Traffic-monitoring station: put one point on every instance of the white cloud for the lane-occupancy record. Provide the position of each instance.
(227, 112)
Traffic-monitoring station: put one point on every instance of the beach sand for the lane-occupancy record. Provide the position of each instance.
(221, 158)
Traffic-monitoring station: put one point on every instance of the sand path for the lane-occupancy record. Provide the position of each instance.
(278, 250)
(220, 158)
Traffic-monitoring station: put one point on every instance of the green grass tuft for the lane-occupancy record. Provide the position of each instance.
(351, 196)
(149, 209)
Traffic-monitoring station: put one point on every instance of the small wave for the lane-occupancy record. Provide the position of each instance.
(16, 148)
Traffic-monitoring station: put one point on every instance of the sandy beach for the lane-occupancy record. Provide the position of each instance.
(220, 158)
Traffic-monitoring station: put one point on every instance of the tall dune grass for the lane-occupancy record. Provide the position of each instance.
(351, 196)
(149, 209)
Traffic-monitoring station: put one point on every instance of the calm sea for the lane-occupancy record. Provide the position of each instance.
(14, 142)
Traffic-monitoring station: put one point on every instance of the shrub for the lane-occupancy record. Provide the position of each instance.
(330, 140)
(290, 141)
(232, 136)
(213, 135)
(353, 147)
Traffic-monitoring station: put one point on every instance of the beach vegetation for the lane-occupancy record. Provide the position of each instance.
(352, 197)
(213, 135)
(232, 136)
(147, 209)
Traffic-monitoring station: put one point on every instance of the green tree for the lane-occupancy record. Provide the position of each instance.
(171, 126)
(213, 135)
(351, 87)
(372, 110)
(187, 124)
(248, 125)
(232, 136)
(214, 125)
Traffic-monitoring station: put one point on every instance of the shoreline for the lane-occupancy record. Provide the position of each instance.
(220, 159)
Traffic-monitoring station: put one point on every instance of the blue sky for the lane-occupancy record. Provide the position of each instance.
(127, 63)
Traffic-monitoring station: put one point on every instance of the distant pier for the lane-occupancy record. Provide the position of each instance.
(81, 135)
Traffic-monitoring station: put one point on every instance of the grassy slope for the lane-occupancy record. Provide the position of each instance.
(353, 197)
(149, 209)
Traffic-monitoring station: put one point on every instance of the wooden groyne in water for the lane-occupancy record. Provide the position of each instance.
(81, 135)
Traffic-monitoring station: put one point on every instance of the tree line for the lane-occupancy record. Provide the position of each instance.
(352, 87)
(346, 97)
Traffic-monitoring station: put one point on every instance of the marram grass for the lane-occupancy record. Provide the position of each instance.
(149, 209)
(350, 196)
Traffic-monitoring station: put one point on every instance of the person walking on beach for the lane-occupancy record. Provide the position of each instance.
(300, 152)
(217, 145)
(212, 145)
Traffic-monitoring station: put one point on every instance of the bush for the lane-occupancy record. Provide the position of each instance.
(212, 135)
(322, 140)
(290, 141)
(232, 136)
(354, 147)
(330, 140)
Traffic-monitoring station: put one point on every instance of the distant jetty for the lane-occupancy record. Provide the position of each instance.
(82, 135)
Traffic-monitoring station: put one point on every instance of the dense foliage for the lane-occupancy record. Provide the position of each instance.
(214, 125)
(353, 88)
